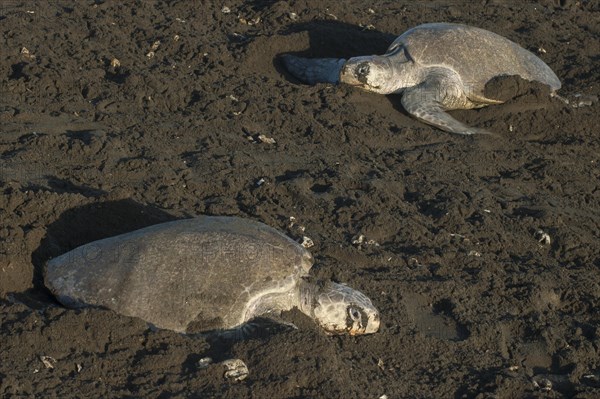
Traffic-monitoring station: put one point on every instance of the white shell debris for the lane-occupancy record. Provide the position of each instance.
(362, 240)
(27, 54)
(542, 237)
(236, 369)
(48, 361)
(265, 139)
(307, 242)
(256, 138)
(154, 47)
(225, 10)
(250, 22)
(205, 362)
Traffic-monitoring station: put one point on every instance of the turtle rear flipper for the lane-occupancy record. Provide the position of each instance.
(428, 102)
(315, 70)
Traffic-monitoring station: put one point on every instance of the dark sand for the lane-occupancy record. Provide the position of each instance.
(472, 304)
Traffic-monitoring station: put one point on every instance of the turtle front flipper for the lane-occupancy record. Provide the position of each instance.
(429, 100)
(314, 70)
(257, 327)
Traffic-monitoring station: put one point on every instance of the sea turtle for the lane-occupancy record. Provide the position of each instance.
(204, 274)
(436, 67)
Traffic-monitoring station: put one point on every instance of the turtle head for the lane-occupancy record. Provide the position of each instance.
(339, 309)
(372, 73)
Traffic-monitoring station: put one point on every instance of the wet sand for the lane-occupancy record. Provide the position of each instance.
(117, 117)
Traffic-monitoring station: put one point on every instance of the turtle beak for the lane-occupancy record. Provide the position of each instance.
(370, 327)
(373, 324)
(364, 71)
(354, 72)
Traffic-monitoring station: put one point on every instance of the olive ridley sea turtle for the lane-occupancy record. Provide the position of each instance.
(436, 67)
(205, 274)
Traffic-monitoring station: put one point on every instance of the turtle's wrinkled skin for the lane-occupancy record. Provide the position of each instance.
(436, 67)
(215, 273)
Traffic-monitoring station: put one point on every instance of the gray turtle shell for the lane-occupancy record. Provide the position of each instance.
(202, 270)
(477, 55)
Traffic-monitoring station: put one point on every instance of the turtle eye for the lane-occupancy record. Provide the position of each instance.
(353, 313)
(362, 70)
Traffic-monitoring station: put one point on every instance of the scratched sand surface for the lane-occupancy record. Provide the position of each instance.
(473, 305)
